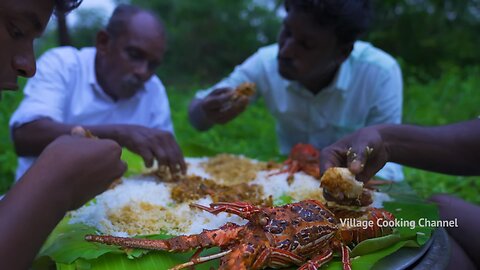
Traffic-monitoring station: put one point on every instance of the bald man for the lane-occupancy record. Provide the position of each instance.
(110, 90)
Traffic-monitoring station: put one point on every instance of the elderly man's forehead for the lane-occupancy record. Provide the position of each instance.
(147, 21)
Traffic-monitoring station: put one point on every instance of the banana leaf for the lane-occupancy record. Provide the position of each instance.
(67, 249)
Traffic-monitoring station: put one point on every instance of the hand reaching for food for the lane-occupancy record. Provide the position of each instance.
(153, 146)
(224, 104)
(244, 90)
(364, 153)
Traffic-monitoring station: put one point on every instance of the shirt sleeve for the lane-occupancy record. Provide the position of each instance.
(160, 116)
(389, 98)
(44, 94)
(249, 71)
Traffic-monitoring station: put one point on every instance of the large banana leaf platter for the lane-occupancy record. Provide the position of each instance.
(66, 249)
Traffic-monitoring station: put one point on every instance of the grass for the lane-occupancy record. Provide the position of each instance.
(251, 134)
(451, 98)
(8, 161)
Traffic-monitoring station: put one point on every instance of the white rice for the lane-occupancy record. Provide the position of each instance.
(153, 210)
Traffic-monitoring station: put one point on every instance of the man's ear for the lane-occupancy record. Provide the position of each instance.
(344, 51)
(102, 41)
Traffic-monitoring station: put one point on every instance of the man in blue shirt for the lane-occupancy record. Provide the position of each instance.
(319, 82)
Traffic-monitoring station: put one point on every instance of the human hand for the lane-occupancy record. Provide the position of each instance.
(152, 144)
(364, 153)
(222, 105)
(77, 168)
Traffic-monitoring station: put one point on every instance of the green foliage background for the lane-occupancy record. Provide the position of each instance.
(435, 41)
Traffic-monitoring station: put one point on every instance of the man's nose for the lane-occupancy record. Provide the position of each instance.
(142, 71)
(25, 64)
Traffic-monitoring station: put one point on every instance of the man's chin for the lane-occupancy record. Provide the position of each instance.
(286, 74)
(128, 92)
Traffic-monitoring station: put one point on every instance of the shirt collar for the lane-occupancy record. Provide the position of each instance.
(92, 77)
(343, 76)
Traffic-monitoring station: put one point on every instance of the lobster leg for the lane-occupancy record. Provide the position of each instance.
(286, 169)
(319, 260)
(208, 238)
(200, 260)
(279, 172)
(276, 258)
(241, 209)
(294, 167)
(347, 265)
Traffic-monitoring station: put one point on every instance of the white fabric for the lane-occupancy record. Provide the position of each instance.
(367, 90)
(65, 89)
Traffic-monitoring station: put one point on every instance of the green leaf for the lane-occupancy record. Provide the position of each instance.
(372, 245)
(283, 199)
(134, 162)
(152, 260)
(368, 261)
(411, 214)
(197, 150)
(68, 249)
(66, 244)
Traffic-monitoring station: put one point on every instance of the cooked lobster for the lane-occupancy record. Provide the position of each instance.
(303, 157)
(304, 234)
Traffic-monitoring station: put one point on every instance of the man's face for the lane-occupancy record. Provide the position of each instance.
(306, 49)
(20, 23)
(131, 58)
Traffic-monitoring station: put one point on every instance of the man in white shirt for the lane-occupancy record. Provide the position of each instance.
(318, 82)
(110, 90)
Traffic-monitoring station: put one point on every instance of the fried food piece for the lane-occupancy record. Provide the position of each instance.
(244, 90)
(339, 185)
(164, 174)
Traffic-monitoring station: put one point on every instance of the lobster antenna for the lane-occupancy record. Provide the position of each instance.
(200, 260)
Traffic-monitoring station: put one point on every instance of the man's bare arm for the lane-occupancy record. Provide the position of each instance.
(451, 149)
(152, 144)
(219, 107)
(197, 116)
(67, 174)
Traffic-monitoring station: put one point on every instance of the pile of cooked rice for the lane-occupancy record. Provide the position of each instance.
(143, 205)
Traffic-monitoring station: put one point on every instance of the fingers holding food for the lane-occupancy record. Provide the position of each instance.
(244, 90)
(339, 185)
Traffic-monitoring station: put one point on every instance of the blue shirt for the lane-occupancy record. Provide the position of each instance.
(366, 90)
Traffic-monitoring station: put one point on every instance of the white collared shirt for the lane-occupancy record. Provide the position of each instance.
(367, 90)
(65, 89)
